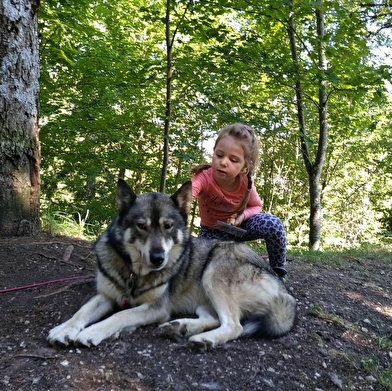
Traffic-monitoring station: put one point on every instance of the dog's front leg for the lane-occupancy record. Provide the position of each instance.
(126, 320)
(207, 319)
(96, 308)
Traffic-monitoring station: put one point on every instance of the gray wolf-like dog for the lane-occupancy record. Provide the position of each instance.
(149, 263)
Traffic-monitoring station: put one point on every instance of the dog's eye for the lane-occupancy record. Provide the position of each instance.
(168, 226)
(142, 226)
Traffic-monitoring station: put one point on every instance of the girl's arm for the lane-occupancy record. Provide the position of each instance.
(253, 207)
(254, 204)
(197, 184)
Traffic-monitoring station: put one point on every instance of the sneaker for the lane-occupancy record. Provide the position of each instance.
(280, 271)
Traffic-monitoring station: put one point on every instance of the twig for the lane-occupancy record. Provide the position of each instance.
(49, 257)
(30, 355)
(41, 243)
(56, 242)
(37, 284)
(66, 287)
(4, 364)
(355, 260)
(62, 260)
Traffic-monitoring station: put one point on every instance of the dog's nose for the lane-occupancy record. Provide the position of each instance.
(157, 258)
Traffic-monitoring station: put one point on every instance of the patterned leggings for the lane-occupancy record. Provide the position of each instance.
(260, 226)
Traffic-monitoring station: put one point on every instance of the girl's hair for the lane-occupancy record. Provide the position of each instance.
(245, 135)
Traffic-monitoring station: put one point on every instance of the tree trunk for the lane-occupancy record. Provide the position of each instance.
(315, 211)
(19, 145)
(314, 183)
(314, 169)
(169, 74)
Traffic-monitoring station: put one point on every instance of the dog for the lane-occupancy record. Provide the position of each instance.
(151, 270)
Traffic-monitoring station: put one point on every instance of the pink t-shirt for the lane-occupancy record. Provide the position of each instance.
(218, 204)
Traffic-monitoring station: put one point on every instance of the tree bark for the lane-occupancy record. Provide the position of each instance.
(19, 143)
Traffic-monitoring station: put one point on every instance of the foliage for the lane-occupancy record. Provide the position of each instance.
(59, 224)
(103, 105)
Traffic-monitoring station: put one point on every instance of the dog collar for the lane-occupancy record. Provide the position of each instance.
(129, 285)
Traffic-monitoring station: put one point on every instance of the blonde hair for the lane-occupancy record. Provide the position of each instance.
(246, 136)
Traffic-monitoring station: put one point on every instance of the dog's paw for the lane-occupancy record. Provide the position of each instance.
(63, 334)
(174, 330)
(89, 338)
(201, 345)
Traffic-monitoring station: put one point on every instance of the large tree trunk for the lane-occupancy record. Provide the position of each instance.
(19, 145)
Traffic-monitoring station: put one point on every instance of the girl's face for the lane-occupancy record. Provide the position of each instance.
(228, 160)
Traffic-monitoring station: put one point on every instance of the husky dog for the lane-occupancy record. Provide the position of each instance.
(153, 269)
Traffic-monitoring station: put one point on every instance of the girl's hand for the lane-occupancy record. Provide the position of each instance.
(236, 219)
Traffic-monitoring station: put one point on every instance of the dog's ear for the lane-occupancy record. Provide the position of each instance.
(183, 197)
(125, 196)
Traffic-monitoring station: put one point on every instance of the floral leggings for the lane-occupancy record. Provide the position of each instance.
(260, 226)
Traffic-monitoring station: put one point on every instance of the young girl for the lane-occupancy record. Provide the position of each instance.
(224, 191)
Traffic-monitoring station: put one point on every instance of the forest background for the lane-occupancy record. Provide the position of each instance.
(138, 89)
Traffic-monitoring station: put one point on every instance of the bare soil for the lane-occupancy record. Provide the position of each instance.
(342, 340)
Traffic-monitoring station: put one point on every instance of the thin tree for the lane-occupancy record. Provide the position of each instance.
(169, 77)
(313, 168)
(19, 146)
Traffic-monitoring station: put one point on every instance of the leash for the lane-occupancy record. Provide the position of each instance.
(19, 288)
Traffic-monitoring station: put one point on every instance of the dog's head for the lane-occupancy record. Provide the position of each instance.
(153, 225)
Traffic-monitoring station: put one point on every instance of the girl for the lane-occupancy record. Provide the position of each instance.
(224, 191)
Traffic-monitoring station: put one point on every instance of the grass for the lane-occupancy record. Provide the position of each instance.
(381, 253)
(385, 342)
(332, 318)
(382, 375)
(59, 224)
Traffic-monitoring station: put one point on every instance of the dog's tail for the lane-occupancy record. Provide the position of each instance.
(274, 321)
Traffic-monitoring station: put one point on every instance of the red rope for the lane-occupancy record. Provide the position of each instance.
(19, 288)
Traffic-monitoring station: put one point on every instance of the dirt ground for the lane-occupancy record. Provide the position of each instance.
(342, 340)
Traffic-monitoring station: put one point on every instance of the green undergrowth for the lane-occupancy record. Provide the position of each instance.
(60, 224)
(382, 253)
